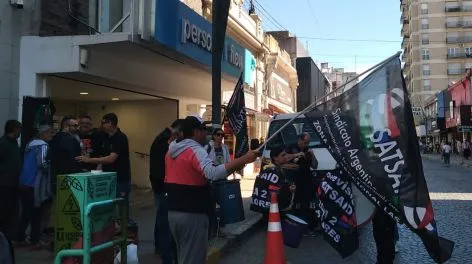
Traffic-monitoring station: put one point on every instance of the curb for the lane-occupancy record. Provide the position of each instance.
(215, 253)
(453, 164)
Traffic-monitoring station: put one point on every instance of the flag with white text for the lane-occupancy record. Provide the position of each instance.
(237, 118)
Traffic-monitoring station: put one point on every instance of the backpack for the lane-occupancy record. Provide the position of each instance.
(30, 165)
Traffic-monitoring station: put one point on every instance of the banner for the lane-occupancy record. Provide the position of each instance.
(236, 114)
(370, 131)
(334, 207)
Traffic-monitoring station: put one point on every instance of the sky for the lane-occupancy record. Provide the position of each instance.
(341, 20)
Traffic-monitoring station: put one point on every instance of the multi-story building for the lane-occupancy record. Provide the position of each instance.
(338, 77)
(437, 44)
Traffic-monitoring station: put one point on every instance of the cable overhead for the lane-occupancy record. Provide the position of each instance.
(314, 17)
(269, 15)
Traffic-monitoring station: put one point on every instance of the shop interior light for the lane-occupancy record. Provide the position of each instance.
(115, 99)
(83, 93)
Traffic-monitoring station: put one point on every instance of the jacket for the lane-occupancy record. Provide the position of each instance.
(158, 152)
(212, 154)
(64, 148)
(37, 178)
(10, 162)
(188, 169)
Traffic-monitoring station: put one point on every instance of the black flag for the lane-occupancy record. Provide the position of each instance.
(236, 114)
(370, 131)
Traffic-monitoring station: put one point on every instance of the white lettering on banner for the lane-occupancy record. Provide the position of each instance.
(337, 198)
(272, 177)
(198, 36)
(260, 203)
(390, 153)
(240, 121)
(331, 232)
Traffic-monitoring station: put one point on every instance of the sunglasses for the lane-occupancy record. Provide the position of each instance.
(219, 134)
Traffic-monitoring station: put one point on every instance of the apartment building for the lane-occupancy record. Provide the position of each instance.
(437, 44)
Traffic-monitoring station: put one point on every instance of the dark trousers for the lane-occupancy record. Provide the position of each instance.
(447, 158)
(8, 207)
(30, 215)
(162, 236)
(384, 235)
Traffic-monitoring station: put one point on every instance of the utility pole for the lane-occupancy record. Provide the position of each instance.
(220, 12)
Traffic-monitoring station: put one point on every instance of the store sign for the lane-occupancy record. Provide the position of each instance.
(464, 129)
(417, 111)
(180, 28)
(249, 68)
(281, 91)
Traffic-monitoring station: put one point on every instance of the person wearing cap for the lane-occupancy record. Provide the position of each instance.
(188, 170)
(35, 186)
(284, 187)
(158, 151)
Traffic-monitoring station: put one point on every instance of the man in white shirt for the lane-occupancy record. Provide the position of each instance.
(447, 153)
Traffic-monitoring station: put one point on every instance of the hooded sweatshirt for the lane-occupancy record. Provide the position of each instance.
(188, 167)
(37, 178)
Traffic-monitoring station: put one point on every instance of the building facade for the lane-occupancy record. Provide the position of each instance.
(337, 78)
(313, 84)
(437, 44)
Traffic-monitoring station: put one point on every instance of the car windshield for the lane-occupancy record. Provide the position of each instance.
(290, 133)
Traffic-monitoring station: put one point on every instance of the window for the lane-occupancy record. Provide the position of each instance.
(454, 68)
(424, 39)
(452, 37)
(452, 7)
(468, 52)
(467, 21)
(467, 37)
(466, 6)
(424, 9)
(453, 52)
(468, 65)
(424, 23)
(452, 22)
(425, 54)
(426, 71)
(288, 136)
(427, 85)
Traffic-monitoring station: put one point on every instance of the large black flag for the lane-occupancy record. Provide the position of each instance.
(236, 114)
(370, 131)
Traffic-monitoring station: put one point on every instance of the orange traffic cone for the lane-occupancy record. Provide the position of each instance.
(275, 253)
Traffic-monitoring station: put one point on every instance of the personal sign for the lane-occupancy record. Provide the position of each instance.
(268, 180)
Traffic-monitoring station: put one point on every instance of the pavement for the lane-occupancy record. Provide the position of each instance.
(143, 212)
(451, 193)
(456, 160)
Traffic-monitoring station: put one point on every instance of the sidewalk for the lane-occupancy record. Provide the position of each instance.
(456, 160)
(142, 211)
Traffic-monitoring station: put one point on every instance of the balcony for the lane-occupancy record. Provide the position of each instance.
(246, 21)
(405, 31)
(453, 9)
(455, 71)
(453, 24)
(467, 24)
(405, 43)
(453, 40)
(456, 55)
(404, 19)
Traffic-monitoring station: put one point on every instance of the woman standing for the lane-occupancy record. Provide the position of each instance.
(218, 151)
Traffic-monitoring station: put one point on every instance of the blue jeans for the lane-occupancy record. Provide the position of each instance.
(162, 236)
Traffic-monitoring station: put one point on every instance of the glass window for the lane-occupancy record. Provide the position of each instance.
(289, 135)
(426, 71)
(468, 65)
(424, 39)
(466, 6)
(467, 21)
(454, 68)
(453, 52)
(424, 9)
(424, 23)
(468, 51)
(452, 7)
(452, 37)
(452, 22)
(427, 85)
(425, 54)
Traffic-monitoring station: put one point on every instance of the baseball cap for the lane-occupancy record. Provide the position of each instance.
(194, 122)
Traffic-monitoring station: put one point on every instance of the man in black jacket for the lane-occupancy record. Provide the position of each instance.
(10, 170)
(65, 146)
(159, 148)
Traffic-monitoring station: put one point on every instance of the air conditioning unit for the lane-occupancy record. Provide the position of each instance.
(17, 3)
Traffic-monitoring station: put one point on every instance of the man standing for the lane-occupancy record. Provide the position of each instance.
(10, 169)
(159, 148)
(65, 146)
(115, 155)
(91, 137)
(304, 180)
(188, 169)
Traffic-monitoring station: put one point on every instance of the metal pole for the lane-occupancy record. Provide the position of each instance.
(314, 104)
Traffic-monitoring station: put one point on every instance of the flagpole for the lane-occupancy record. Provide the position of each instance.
(314, 104)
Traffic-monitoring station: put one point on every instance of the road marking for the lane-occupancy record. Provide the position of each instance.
(451, 196)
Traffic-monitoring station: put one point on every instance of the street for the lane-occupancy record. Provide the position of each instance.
(451, 192)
